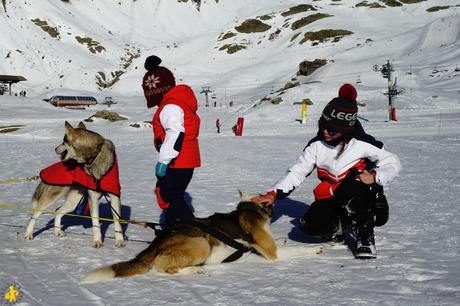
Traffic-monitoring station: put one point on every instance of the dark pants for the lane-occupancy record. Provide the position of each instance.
(172, 191)
(352, 204)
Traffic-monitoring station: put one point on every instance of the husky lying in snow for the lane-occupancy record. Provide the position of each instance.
(88, 164)
(186, 247)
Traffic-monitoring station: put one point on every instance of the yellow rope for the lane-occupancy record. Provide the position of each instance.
(70, 215)
(24, 179)
(36, 177)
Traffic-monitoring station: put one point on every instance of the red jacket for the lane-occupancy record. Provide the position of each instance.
(70, 172)
(189, 154)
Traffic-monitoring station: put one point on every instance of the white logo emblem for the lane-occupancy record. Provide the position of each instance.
(350, 117)
(152, 81)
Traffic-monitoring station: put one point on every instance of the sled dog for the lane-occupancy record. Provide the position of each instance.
(94, 156)
(184, 247)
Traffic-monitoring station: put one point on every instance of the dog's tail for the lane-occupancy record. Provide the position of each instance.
(121, 269)
(103, 274)
(141, 264)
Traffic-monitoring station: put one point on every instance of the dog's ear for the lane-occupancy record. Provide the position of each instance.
(245, 197)
(68, 126)
(68, 129)
(81, 125)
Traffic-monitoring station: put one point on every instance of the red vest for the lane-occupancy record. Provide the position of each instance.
(70, 172)
(182, 96)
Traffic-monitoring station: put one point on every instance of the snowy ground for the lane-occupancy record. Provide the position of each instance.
(418, 249)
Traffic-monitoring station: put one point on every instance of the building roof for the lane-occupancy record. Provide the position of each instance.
(11, 78)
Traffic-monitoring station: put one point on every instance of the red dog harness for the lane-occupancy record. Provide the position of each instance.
(70, 172)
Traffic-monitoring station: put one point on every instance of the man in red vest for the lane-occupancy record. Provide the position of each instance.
(176, 127)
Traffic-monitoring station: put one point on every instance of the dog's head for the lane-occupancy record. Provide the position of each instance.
(263, 208)
(88, 148)
(79, 144)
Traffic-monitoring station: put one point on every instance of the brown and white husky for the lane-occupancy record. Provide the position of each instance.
(186, 247)
(95, 156)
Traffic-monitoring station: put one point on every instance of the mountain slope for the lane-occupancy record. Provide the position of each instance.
(100, 46)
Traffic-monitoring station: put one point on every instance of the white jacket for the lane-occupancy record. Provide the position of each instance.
(333, 168)
(172, 120)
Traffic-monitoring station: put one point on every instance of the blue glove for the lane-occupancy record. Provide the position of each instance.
(160, 169)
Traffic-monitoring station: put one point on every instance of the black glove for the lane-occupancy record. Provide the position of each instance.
(380, 205)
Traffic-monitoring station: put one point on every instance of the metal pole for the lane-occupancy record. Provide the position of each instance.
(390, 102)
(390, 92)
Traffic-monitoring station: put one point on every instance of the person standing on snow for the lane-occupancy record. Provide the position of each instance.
(218, 125)
(176, 126)
(352, 167)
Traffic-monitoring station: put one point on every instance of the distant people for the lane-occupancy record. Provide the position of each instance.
(176, 126)
(218, 125)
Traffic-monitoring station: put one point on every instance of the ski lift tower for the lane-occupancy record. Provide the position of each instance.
(108, 101)
(386, 71)
(206, 90)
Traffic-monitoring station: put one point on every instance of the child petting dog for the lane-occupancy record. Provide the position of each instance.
(352, 167)
(176, 127)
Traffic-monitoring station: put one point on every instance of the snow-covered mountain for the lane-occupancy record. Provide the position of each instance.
(100, 46)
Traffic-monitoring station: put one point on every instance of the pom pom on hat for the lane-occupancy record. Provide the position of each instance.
(348, 92)
(152, 62)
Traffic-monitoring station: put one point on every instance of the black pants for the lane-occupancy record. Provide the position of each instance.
(352, 203)
(172, 190)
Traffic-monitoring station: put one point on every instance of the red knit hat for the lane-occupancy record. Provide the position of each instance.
(157, 81)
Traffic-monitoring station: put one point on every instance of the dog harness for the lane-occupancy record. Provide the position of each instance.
(240, 248)
(70, 172)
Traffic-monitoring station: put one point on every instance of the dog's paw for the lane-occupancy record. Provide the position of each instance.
(28, 236)
(298, 250)
(281, 241)
(194, 270)
(320, 250)
(120, 243)
(58, 232)
(97, 244)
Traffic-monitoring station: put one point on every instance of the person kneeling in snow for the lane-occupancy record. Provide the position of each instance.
(352, 167)
(176, 127)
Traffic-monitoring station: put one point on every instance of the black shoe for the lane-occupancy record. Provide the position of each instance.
(337, 239)
(365, 242)
(380, 206)
(365, 250)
